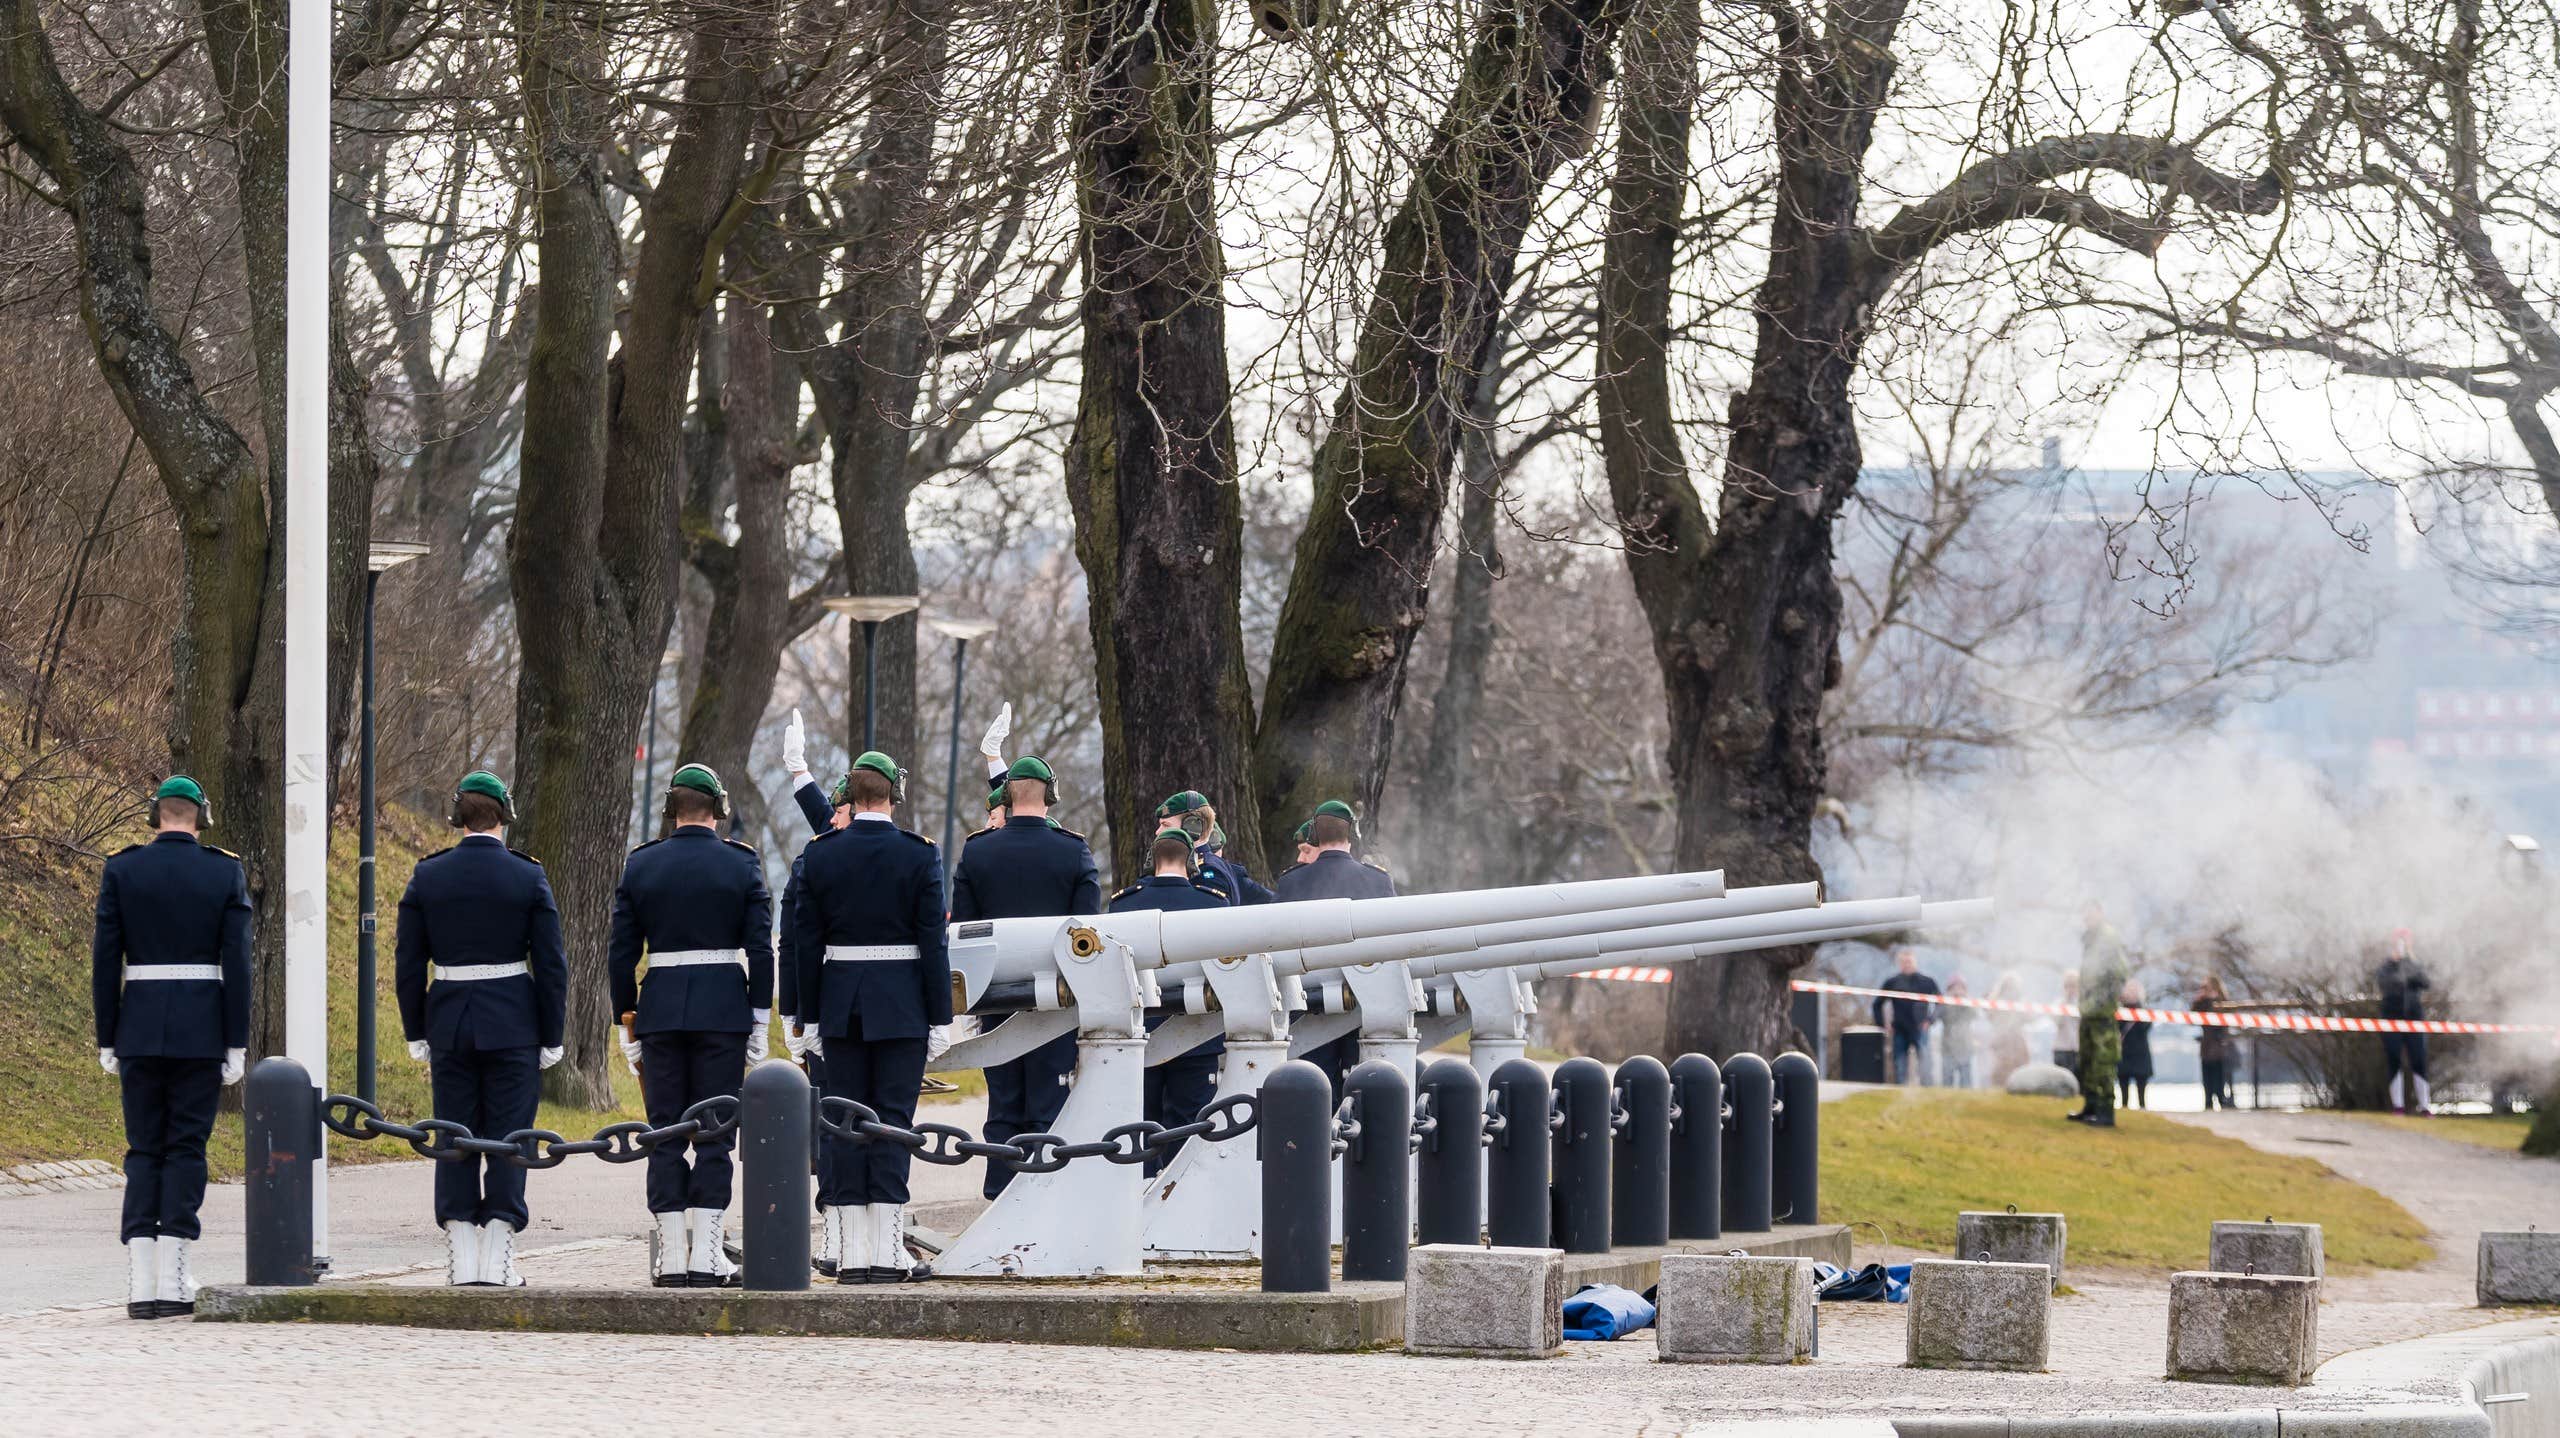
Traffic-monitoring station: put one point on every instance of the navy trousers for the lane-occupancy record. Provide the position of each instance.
(168, 1114)
(492, 1092)
(885, 1076)
(677, 1071)
(1177, 1090)
(1024, 1096)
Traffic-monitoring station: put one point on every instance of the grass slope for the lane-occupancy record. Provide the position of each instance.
(2502, 1131)
(2142, 1196)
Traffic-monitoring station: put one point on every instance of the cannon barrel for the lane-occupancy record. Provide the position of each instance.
(1943, 914)
(1736, 904)
(987, 952)
(1637, 933)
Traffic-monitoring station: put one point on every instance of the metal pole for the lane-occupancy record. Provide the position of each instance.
(1697, 1148)
(1515, 1189)
(1449, 1204)
(364, 861)
(951, 774)
(280, 1119)
(1795, 1170)
(1640, 1176)
(870, 684)
(1377, 1173)
(773, 1188)
(1295, 1143)
(1582, 1157)
(306, 567)
(1747, 1092)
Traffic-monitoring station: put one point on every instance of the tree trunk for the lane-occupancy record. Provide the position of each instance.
(593, 557)
(749, 578)
(1361, 583)
(1745, 616)
(1447, 778)
(1151, 465)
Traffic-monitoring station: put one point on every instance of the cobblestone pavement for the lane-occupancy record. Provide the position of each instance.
(91, 1371)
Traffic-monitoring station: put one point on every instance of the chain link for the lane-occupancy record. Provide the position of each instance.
(448, 1142)
(1131, 1143)
(1426, 1124)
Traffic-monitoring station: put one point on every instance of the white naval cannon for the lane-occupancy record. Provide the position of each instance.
(1096, 975)
(1207, 1204)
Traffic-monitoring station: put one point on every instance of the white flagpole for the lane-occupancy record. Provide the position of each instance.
(306, 572)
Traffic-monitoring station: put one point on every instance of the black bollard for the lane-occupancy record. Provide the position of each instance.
(1795, 1160)
(1640, 1171)
(1697, 1148)
(773, 1183)
(1377, 1174)
(280, 1112)
(1746, 1144)
(1295, 1143)
(1582, 1157)
(1450, 1206)
(1515, 1180)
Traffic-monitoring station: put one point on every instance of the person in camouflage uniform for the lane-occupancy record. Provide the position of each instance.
(2102, 975)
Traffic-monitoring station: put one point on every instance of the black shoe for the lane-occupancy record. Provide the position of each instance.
(143, 1308)
(850, 1276)
(671, 1280)
(711, 1280)
(826, 1267)
(171, 1308)
(887, 1275)
(2103, 1120)
(2081, 1117)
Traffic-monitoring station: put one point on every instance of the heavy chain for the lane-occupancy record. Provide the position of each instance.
(448, 1142)
(940, 1143)
(1426, 1124)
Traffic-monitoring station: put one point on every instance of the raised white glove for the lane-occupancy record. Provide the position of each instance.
(795, 747)
(992, 744)
(630, 1049)
(107, 1060)
(235, 1062)
(760, 1038)
(552, 1056)
(418, 1050)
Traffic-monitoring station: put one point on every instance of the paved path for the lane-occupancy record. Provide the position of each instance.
(62, 1249)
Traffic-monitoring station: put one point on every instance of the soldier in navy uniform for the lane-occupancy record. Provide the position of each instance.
(484, 989)
(1334, 874)
(169, 976)
(825, 810)
(698, 904)
(1306, 854)
(867, 930)
(1178, 1088)
(1027, 867)
(1191, 812)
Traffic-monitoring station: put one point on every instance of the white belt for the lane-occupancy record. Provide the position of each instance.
(136, 972)
(690, 958)
(444, 974)
(872, 953)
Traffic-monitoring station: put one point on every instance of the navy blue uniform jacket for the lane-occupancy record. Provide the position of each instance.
(1231, 879)
(786, 970)
(172, 901)
(1161, 892)
(871, 883)
(1335, 875)
(1026, 869)
(481, 902)
(692, 890)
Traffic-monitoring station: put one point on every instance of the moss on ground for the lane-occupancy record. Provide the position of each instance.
(2143, 1195)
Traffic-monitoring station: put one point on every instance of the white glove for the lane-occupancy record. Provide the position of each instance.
(992, 744)
(792, 1041)
(630, 1050)
(760, 1038)
(795, 747)
(235, 1062)
(817, 1043)
(418, 1050)
(552, 1056)
(107, 1060)
(937, 1042)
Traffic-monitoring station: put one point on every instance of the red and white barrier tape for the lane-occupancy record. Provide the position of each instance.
(2298, 1023)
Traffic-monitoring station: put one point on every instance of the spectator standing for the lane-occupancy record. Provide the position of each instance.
(2009, 1051)
(1911, 1017)
(2213, 1042)
(2133, 1068)
(2066, 1031)
(2403, 986)
(1955, 1038)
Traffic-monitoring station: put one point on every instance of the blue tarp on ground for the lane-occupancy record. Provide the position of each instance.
(1603, 1311)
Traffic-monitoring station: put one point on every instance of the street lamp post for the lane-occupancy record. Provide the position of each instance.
(870, 611)
(960, 632)
(384, 554)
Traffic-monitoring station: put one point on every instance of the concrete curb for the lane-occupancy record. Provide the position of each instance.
(2435, 1387)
